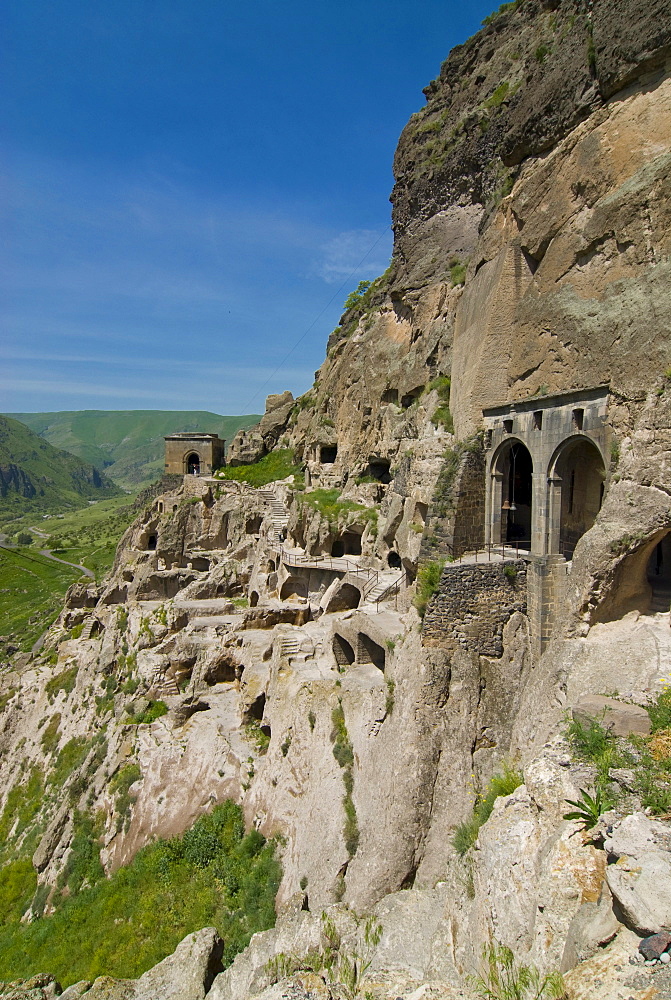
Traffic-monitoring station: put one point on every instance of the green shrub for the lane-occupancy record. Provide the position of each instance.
(589, 740)
(457, 274)
(500, 10)
(510, 571)
(83, 865)
(344, 754)
(51, 735)
(391, 696)
(213, 875)
(428, 581)
(23, 538)
(498, 97)
(21, 806)
(18, 881)
(278, 464)
(65, 681)
(355, 297)
(70, 757)
(660, 711)
(503, 783)
(153, 711)
(119, 787)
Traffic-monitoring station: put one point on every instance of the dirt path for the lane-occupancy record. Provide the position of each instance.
(84, 569)
(47, 553)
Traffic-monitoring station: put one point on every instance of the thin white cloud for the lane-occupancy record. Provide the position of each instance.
(356, 253)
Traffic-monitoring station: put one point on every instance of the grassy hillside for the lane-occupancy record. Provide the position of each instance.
(31, 593)
(127, 444)
(34, 475)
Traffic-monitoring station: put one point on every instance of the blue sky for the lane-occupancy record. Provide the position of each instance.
(188, 184)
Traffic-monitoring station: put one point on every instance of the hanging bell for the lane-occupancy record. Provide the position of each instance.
(513, 506)
(506, 505)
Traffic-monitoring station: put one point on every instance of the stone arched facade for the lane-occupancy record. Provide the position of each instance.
(193, 454)
(550, 429)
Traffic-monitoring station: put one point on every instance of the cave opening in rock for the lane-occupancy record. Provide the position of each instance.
(152, 541)
(370, 651)
(343, 652)
(411, 397)
(256, 709)
(253, 599)
(294, 587)
(394, 560)
(658, 575)
(345, 598)
(378, 468)
(328, 454)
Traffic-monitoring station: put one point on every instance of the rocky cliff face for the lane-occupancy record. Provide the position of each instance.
(277, 627)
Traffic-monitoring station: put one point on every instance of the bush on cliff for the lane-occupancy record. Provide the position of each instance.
(428, 581)
(123, 925)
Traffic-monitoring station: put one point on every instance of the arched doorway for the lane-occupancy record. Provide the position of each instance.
(512, 495)
(193, 464)
(577, 477)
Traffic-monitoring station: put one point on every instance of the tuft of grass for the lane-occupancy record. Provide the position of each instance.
(457, 274)
(278, 464)
(52, 734)
(496, 99)
(502, 977)
(428, 581)
(501, 784)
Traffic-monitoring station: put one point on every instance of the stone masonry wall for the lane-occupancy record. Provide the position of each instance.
(456, 517)
(469, 497)
(472, 605)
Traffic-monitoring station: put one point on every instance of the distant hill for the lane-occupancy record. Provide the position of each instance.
(35, 474)
(127, 444)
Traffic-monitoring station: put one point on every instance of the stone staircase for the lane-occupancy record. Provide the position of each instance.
(289, 646)
(163, 684)
(90, 625)
(279, 516)
(383, 588)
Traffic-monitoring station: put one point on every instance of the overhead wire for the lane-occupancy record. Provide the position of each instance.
(317, 318)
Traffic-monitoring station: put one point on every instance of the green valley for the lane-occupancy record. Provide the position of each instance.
(127, 444)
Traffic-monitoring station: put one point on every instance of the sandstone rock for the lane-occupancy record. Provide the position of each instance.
(107, 988)
(622, 719)
(50, 840)
(188, 973)
(76, 990)
(39, 987)
(593, 926)
(640, 881)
